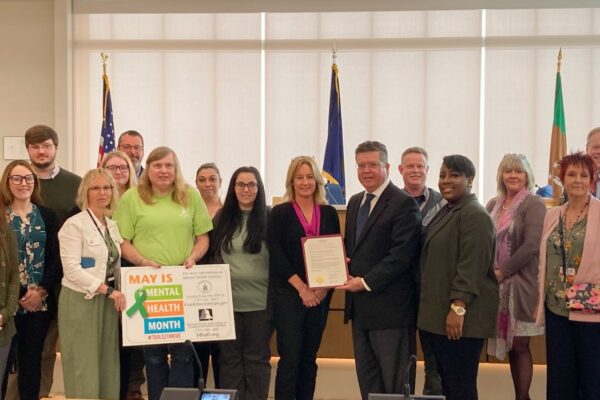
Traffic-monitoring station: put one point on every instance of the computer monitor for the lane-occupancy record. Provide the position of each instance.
(387, 396)
(219, 394)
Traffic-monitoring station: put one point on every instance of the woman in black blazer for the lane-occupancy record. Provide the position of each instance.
(36, 231)
(299, 312)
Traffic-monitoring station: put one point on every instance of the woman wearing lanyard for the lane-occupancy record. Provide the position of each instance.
(90, 301)
(299, 312)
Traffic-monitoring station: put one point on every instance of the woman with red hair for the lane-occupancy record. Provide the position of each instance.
(570, 264)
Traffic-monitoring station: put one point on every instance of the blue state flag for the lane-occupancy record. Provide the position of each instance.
(107, 135)
(333, 163)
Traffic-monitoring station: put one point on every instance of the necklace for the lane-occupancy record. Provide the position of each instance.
(585, 206)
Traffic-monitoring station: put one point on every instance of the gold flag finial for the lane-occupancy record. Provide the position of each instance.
(559, 60)
(104, 57)
(334, 51)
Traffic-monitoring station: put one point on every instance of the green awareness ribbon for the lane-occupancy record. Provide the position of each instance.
(140, 297)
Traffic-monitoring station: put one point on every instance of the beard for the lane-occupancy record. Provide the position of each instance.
(44, 165)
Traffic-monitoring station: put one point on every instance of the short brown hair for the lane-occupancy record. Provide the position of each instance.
(40, 133)
(373, 145)
(130, 132)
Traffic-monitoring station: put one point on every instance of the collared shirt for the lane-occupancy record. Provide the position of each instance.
(420, 199)
(377, 193)
(53, 173)
(598, 186)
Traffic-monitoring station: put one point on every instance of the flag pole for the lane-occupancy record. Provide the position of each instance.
(559, 60)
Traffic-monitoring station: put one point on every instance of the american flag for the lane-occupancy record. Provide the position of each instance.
(107, 135)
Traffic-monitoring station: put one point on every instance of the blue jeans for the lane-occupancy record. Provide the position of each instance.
(160, 375)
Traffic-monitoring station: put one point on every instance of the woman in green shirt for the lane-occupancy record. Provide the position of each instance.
(239, 240)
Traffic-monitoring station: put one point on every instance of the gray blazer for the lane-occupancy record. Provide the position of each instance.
(522, 267)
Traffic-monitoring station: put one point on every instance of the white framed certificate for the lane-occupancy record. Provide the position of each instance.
(175, 304)
(325, 261)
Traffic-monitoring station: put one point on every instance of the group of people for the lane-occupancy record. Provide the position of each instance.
(418, 259)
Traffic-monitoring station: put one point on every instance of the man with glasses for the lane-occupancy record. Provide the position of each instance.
(383, 227)
(58, 188)
(132, 143)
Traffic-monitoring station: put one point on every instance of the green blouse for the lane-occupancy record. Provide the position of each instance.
(555, 285)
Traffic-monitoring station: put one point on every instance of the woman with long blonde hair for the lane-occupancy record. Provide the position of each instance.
(299, 312)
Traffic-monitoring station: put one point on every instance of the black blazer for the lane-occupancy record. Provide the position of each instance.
(386, 256)
(284, 237)
(52, 264)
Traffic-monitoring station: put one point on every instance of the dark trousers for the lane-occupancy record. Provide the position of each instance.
(132, 363)
(299, 332)
(180, 372)
(245, 362)
(433, 382)
(458, 363)
(573, 354)
(30, 337)
(206, 351)
(382, 357)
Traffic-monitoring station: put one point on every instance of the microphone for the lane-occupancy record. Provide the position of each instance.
(412, 362)
(199, 364)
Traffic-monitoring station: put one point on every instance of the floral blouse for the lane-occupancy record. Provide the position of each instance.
(555, 285)
(31, 241)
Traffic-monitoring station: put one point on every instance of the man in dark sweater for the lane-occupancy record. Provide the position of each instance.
(413, 168)
(58, 189)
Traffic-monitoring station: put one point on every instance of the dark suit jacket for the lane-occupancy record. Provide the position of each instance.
(52, 264)
(284, 237)
(386, 256)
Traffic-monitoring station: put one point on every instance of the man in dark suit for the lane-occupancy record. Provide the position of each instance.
(383, 226)
(414, 165)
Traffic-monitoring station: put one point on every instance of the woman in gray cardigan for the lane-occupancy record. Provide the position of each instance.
(459, 292)
(519, 217)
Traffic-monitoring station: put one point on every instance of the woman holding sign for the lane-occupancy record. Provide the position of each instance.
(90, 300)
(239, 239)
(164, 223)
(299, 312)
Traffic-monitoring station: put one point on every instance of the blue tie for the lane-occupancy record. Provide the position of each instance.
(363, 214)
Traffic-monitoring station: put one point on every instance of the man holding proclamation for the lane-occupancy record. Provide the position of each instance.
(382, 240)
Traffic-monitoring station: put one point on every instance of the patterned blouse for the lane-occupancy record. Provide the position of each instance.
(31, 241)
(555, 284)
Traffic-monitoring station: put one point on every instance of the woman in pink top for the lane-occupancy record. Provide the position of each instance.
(572, 337)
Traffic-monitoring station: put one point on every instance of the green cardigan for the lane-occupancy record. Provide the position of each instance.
(9, 285)
(457, 263)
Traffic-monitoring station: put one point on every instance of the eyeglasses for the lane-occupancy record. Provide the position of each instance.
(17, 179)
(120, 168)
(42, 146)
(369, 165)
(98, 189)
(136, 147)
(250, 185)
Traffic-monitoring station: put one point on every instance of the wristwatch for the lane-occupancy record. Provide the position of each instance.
(109, 291)
(460, 311)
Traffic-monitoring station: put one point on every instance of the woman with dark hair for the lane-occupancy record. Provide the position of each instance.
(518, 215)
(239, 240)
(459, 290)
(299, 312)
(570, 265)
(208, 182)
(36, 230)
